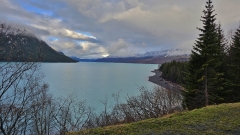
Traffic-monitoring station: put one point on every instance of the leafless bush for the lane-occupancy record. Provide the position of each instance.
(156, 103)
(19, 83)
(71, 115)
(149, 104)
(42, 112)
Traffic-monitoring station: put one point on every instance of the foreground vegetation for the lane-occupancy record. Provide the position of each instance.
(217, 119)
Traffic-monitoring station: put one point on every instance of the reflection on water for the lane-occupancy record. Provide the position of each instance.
(93, 81)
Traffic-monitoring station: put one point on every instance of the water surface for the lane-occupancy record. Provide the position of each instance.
(94, 81)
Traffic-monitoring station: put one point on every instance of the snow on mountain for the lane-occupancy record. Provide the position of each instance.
(160, 53)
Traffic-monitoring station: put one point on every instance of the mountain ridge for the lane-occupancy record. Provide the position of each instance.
(153, 57)
(31, 49)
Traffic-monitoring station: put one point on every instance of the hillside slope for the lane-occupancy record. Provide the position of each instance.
(31, 49)
(217, 120)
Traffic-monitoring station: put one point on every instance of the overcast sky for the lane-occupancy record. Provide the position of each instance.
(98, 28)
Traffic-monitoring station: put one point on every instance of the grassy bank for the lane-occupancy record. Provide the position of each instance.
(220, 119)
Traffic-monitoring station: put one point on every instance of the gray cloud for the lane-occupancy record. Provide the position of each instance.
(96, 28)
(120, 44)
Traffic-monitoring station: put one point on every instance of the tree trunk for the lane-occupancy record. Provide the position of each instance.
(206, 87)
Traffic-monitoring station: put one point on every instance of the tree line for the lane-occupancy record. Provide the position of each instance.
(174, 71)
(212, 75)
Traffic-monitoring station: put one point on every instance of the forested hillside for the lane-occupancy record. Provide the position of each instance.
(24, 47)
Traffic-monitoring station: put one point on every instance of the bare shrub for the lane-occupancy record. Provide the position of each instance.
(42, 112)
(19, 83)
(149, 104)
(71, 115)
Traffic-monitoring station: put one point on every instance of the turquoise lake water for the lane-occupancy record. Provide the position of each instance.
(93, 82)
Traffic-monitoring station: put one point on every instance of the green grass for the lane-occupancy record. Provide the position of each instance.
(212, 120)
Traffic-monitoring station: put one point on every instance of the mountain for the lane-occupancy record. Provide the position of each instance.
(164, 53)
(153, 57)
(145, 60)
(29, 48)
(83, 60)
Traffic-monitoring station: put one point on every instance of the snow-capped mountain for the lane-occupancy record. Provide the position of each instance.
(153, 57)
(160, 53)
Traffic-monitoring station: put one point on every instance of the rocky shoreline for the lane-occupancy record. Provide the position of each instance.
(158, 80)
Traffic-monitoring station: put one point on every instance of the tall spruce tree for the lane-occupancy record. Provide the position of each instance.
(203, 67)
(218, 82)
(234, 73)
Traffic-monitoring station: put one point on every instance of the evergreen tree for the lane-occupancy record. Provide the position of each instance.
(218, 93)
(203, 68)
(234, 68)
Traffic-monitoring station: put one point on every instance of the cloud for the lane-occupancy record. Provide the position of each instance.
(67, 33)
(119, 45)
(96, 28)
(79, 49)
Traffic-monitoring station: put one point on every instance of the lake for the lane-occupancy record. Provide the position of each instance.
(95, 81)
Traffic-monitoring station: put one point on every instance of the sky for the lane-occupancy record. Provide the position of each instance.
(100, 28)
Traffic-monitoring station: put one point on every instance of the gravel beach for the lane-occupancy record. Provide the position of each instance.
(158, 80)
